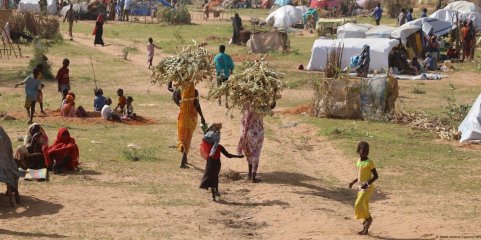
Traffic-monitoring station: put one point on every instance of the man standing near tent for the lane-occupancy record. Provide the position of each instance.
(126, 14)
(224, 67)
(409, 15)
(70, 16)
(377, 14)
(401, 19)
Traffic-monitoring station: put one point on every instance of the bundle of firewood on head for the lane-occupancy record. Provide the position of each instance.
(190, 66)
(258, 86)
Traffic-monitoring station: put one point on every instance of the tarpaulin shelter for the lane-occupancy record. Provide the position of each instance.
(33, 6)
(284, 17)
(439, 27)
(470, 127)
(463, 7)
(353, 30)
(380, 31)
(77, 8)
(452, 16)
(263, 42)
(379, 51)
(325, 3)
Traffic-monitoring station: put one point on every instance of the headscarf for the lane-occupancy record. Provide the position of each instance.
(69, 105)
(63, 148)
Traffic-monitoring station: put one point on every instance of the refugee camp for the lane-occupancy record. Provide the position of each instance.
(240, 119)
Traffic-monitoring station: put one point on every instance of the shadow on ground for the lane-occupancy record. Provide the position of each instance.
(4, 232)
(312, 186)
(28, 207)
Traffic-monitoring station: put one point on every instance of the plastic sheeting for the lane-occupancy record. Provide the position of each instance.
(263, 42)
(439, 27)
(380, 32)
(470, 128)
(379, 51)
(77, 8)
(284, 17)
(353, 30)
(463, 7)
(450, 16)
(32, 6)
(403, 32)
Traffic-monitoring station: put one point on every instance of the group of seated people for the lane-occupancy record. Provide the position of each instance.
(36, 153)
(399, 60)
(123, 112)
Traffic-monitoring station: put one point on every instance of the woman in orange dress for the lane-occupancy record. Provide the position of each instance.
(187, 98)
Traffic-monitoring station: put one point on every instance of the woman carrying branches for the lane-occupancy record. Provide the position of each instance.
(255, 91)
(187, 98)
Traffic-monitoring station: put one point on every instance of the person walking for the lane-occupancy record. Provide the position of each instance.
(224, 66)
(377, 14)
(70, 17)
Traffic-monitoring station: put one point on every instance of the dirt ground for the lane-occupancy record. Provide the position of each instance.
(291, 202)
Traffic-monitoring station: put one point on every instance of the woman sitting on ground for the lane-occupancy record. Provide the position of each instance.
(63, 154)
(68, 107)
(30, 155)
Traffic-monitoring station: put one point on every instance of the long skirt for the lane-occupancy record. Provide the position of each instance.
(98, 34)
(252, 137)
(361, 207)
(211, 174)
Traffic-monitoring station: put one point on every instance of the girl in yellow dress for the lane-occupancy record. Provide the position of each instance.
(366, 176)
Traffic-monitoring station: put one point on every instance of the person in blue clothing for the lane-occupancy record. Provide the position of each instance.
(409, 15)
(99, 100)
(224, 68)
(377, 14)
(32, 86)
(425, 13)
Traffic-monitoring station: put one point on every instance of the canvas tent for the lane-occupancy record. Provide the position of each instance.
(380, 32)
(404, 32)
(353, 30)
(450, 15)
(463, 7)
(379, 51)
(32, 6)
(439, 27)
(470, 128)
(77, 8)
(263, 42)
(284, 17)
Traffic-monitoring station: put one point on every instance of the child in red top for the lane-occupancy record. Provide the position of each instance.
(62, 77)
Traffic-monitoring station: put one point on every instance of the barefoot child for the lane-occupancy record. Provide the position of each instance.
(32, 84)
(107, 112)
(210, 150)
(40, 98)
(366, 176)
(62, 77)
(122, 100)
(129, 110)
(150, 51)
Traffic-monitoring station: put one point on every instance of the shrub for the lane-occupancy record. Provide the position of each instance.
(40, 50)
(180, 15)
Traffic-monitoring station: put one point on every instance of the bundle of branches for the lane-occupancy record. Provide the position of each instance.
(40, 50)
(333, 63)
(421, 120)
(190, 66)
(180, 15)
(36, 25)
(257, 86)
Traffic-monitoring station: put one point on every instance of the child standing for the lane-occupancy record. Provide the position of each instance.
(367, 174)
(32, 85)
(99, 100)
(63, 78)
(122, 100)
(210, 150)
(40, 98)
(150, 51)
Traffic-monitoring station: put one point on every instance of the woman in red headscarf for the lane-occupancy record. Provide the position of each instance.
(63, 154)
(99, 30)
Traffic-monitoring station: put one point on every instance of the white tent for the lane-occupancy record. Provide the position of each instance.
(284, 17)
(403, 32)
(450, 16)
(439, 27)
(380, 32)
(32, 6)
(77, 8)
(470, 128)
(379, 51)
(463, 7)
(353, 30)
